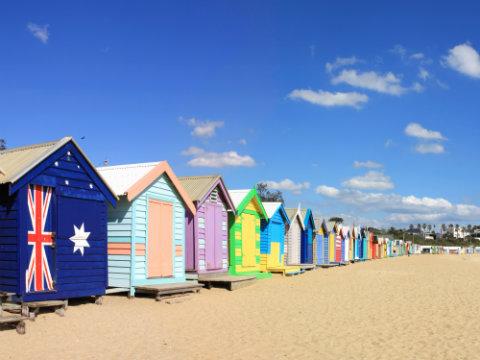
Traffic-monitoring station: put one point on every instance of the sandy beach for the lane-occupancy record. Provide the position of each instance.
(422, 307)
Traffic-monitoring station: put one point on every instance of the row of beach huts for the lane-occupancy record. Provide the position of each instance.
(71, 230)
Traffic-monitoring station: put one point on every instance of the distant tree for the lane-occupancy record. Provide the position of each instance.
(336, 219)
(269, 195)
(419, 227)
(411, 227)
(469, 227)
(429, 227)
(3, 144)
(444, 228)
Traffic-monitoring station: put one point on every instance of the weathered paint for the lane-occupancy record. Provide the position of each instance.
(78, 197)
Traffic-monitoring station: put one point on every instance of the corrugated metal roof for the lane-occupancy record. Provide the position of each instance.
(271, 208)
(197, 186)
(303, 212)
(291, 212)
(16, 162)
(237, 196)
(123, 177)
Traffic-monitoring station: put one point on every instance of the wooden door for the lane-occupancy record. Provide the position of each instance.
(213, 236)
(160, 239)
(274, 258)
(248, 240)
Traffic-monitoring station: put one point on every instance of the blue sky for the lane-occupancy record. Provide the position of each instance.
(366, 110)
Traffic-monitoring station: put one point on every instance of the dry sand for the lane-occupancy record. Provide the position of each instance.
(422, 307)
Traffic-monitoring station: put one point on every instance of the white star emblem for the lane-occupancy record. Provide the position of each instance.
(80, 239)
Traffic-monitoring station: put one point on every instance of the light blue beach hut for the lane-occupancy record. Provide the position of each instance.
(146, 231)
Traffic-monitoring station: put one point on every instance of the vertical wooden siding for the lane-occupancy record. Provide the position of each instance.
(200, 226)
(162, 190)
(9, 270)
(294, 242)
(236, 245)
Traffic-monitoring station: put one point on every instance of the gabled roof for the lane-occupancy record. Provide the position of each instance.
(15, 163)
(345, 231)
(320, 225)
(295, 212)
(131, 180)
(333, 226)
(241, 198)
(200, 187)
(307, 215)
(272, 207)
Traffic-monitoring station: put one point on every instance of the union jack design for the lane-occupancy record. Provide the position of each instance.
(38, 272)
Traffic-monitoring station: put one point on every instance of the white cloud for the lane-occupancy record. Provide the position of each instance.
(39, 31)
(464, 59)
(329, 99)
(423, 74)
(289, 185)
(403, 209)
(371, 180)
(204, 129)
(417, 56)
(341, 62)
(327, 191)
(367, 164)
(417, 87)
(388, 83)
(430, 148)
(418, 131)
(192, 150)
(389, 143)
(399, 50)
(202, 158)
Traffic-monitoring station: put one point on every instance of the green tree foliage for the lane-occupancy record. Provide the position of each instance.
(269, 195)
(336, 219)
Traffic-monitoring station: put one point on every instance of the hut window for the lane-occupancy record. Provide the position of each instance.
(201, 223)
(224, 225)
(56, 163)
(67, 182)
(214, 195)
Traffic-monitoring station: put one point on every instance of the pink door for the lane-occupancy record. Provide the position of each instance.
(160, 239)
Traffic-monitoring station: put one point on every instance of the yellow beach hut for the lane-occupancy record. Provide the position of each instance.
(244, 233)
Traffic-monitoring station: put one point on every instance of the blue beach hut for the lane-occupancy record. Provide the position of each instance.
(53, 223)
(272, 237)
(307, 237)
(321, 240)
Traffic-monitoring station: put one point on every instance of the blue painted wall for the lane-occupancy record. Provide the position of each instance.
(307, 240)
(78, 198)
(272, 231)
(9, 271)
